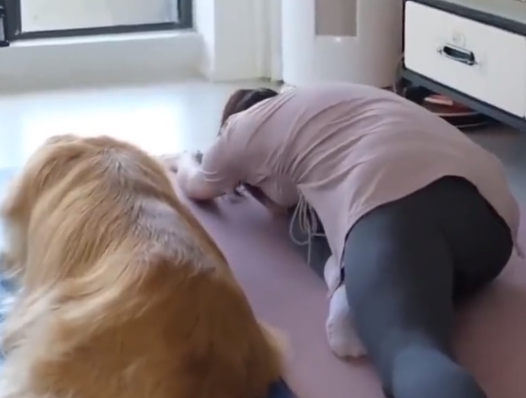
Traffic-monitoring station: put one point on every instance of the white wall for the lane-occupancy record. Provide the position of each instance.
(235, 34)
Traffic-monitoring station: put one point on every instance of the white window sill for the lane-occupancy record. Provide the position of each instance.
(106, 38)
(100, 60)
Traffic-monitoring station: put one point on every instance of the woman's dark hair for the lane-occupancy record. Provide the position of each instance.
(243, 99)
(240, 101)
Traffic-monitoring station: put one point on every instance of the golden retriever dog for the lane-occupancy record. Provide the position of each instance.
(123, 293)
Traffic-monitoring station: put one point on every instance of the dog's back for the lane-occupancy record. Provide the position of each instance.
(124, 293)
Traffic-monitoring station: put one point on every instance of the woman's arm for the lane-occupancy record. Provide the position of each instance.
(190, 178)
(193, 183)
(207, 176)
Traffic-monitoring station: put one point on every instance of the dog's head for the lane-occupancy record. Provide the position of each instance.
(89, 168)
(68, 211)
(44, 169)
(57, 159)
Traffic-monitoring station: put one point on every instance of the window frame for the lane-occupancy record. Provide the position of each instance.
(10, 19)
(15, 32)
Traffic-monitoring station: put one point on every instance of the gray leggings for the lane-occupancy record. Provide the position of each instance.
(406, 264)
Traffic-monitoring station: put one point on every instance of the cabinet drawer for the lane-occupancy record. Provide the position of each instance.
(484, 62)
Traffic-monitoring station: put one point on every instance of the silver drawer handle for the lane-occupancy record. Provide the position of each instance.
(458, 54)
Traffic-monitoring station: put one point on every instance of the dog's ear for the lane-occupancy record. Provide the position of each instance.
(47, 165)
(45, 168)
(15, 200)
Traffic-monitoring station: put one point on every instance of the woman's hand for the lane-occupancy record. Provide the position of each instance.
(182, 159)
(188, 175)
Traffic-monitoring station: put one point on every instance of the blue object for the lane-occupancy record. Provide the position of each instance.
(281, 390)
(6, 297)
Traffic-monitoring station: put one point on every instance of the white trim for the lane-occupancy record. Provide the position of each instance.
(107, 59)
(267, 20)
(262, 43)
(275, 27)
(204, 21)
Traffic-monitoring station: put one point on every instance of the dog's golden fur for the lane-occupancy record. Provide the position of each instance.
(124, 294)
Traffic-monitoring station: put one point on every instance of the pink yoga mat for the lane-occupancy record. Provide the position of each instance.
(288, 295)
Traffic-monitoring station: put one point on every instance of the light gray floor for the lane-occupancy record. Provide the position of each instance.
(164, 119)
(510, 147)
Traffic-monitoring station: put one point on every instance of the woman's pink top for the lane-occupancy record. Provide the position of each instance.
(347, 149)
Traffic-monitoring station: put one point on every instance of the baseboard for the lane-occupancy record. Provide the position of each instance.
(99, 60)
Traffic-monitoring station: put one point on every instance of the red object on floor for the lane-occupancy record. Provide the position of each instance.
(455, 113)
(442, 100)
(286, 293)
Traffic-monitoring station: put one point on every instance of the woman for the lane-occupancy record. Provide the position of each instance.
(415, 213)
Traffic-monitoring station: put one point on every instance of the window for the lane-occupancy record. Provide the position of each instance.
(55, 18)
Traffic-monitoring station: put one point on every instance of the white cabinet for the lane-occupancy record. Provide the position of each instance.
(481, 61)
